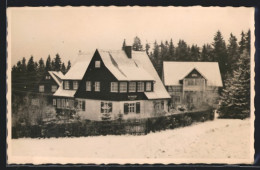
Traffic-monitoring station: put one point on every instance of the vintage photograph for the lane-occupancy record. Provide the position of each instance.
(103, 85)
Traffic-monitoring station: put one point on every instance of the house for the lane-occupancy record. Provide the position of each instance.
(193, 84)
(115, 82)
(47, 86)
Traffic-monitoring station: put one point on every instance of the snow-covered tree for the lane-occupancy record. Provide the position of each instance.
(235, 97)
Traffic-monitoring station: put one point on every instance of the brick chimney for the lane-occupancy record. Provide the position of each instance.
(128, 51)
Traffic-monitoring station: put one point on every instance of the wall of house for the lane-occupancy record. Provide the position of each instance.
(147, 109)
(47, 83)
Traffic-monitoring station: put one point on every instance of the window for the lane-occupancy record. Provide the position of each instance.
(75, 85)
(81, 105)
(132, 108)
(132, 86)
(67, 103)
(63, 104)
(53, 88)
(148, 86)
(97, 64)
(47, 77)
(114, 87)
(140, 86)
(97, 86)
(177, 99)
(106, 107)
(54, 102)
(58, 103)
(123, 87)
(162, 105)
(67, 85)
(41, 88)
(88, 86)
(35, 102)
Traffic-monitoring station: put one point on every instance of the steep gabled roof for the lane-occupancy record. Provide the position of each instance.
(175, 71)
(124, 68)
(79, 67)
(57, 76)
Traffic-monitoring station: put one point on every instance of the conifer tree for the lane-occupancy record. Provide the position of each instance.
(57, 63)
(68, 66)
(124, 44)
(242, 43)
(182, 51)
(207, 53)
(195, 53)
(31, 65)
(41, 65)
(137, 45)
(235, 98)
(220, 53)
(233, 53)
(247, 41)
(171, 52)
(48, 63)
(147, 47)
(63, 68)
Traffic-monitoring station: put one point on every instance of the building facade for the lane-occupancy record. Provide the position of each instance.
(192, 84)
(122, 82)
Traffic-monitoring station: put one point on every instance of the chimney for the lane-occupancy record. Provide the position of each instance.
(128, 51)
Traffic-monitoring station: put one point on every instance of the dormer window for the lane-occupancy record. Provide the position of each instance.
(67, 85)
(97, 64)
(75, 85)
(47, 77)
(148, 86)
(140, 86)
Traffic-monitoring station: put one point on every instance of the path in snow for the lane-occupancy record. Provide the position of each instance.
(218, 139)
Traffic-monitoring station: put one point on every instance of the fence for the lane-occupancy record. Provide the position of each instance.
(115, 127)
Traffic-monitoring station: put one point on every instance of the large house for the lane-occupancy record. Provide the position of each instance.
(115, 82)
(193, 84)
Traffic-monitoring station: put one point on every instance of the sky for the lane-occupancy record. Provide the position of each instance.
(43, 31)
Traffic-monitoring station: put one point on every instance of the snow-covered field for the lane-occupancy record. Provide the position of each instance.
(219, 141)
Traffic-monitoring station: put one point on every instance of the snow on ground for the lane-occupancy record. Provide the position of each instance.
(223, 139)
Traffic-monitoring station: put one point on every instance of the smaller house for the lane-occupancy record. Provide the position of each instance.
(48, 85)
(192, 84)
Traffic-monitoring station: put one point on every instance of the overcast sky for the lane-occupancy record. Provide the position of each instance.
(66, 30)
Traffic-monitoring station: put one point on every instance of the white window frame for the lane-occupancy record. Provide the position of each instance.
(97, 64)
(148, 84)
(106, 108)
(123, 87)
(131, 108)
(75, 85)
(41, 88)
(53, 88)
(114, 87)
(132, 87)
(88, 85)
(58, 103)
(140, 86)
(47, 77)
(97, 85)
(66, 85)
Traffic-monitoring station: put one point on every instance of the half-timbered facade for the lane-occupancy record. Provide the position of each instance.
(116, 82)
(192, 84)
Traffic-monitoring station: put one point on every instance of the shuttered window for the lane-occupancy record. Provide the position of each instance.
(132, 107)
(106, 107)
(125, 108)
(138, 107)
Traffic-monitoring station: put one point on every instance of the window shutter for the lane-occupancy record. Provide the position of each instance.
(102, 105)
(138, 107)
(83, 105)
(110, 106)
(126, 108)
(76, 103)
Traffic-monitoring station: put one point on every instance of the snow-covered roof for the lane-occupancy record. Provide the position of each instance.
(124, 68)
(141, 58)
(79, 67)
(57, 76)
(175, 71)
(64, 93)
